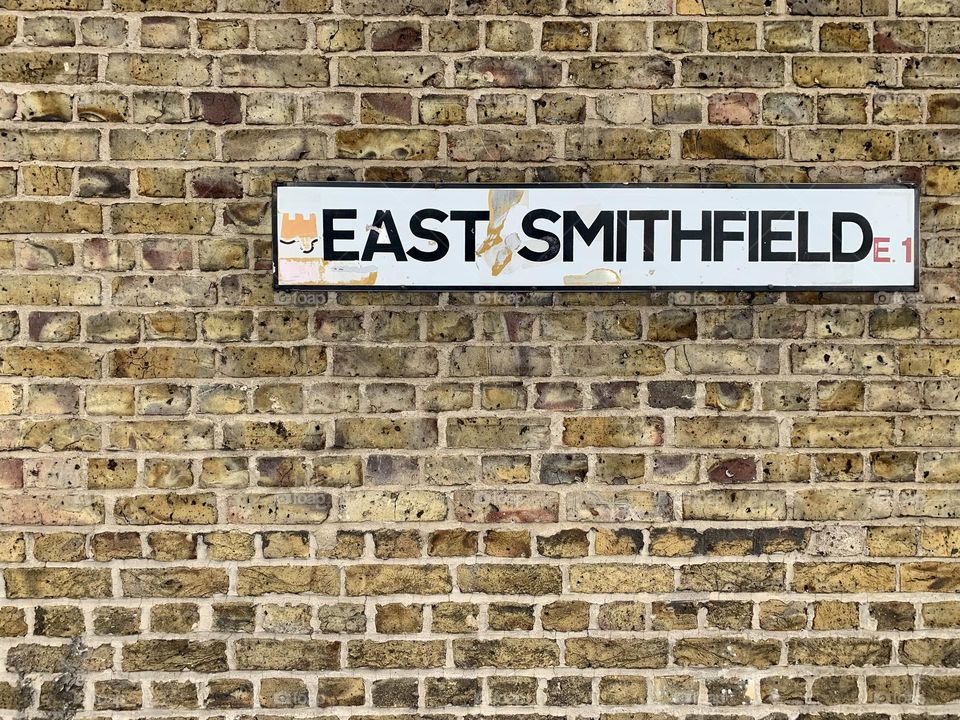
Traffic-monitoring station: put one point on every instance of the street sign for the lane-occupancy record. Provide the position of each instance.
(376, 236)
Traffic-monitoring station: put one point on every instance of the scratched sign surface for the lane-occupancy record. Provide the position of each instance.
(579, 237)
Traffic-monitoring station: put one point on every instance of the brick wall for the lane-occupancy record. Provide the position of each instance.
(222, 501)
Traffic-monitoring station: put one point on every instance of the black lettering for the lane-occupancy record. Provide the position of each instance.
(573, 224)
(383, 224)
(803, 238)
(839, 255)
(470, 218)
(769, 236)
(532, 231)
(753, 233)
(678, 235)
(331, 235)
(649, 217)
(621, 236)
(418, 230)
(721, 235)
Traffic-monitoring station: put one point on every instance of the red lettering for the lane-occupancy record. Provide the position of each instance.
(881, 249)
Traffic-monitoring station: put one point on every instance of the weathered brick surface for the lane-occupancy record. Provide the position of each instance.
(221, 501)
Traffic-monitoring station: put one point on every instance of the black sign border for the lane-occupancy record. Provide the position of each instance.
(601, 288)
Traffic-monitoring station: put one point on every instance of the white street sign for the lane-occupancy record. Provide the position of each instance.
(595, 237)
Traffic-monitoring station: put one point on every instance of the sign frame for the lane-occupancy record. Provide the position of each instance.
(915, 287)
